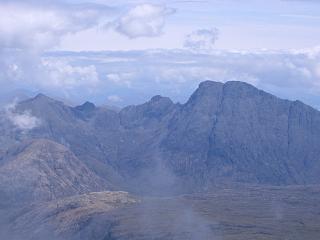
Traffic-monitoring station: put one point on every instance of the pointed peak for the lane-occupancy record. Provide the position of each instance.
(89, 105)
(206, 89)
(156, 98)
(159, 98)
(40, 95)
(159, 101)
(39, 99)
(86, 107)
(43, 98)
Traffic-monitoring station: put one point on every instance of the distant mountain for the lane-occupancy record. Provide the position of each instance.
(224, 133)
(41, 170)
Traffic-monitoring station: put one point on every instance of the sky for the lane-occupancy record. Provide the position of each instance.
(124, 52)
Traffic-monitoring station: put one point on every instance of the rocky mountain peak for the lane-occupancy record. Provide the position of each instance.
(209, 84)
(235, 88)
(42, 98)
(86, 107)
(40, 105)
(159, 103)
(160, 99)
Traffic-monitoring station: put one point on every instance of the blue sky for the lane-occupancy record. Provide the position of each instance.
(124, 52)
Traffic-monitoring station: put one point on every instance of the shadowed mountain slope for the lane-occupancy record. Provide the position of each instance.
(235, 132)
(42, 170)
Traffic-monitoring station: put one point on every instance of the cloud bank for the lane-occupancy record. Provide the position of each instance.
(62, 75)
(138, 75)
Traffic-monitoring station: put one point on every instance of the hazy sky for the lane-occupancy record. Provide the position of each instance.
(143, 48)
(242, 24)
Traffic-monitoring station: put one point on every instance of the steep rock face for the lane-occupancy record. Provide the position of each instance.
(41, 170)
(249, 138)
(187, 142)
(303, 143)
(235, 132)
(142, 127)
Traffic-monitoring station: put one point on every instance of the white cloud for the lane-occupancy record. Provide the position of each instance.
(34, 26)
(202, 39)
(24, 121)
(115, 99)
(145, 20)
(121, 79)
(62, 75)
(185, 75)
(28, 28)
(317, 75)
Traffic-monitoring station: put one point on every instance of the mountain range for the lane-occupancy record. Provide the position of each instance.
(224, 133)
(66, 171)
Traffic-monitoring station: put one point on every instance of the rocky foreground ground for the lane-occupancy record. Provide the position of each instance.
(226, 213)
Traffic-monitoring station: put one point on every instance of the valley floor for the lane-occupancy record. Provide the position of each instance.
(226, 213)
(253, 213)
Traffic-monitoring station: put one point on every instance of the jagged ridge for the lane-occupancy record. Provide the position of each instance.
(230, 132)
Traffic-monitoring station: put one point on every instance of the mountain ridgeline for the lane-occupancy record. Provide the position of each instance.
(225, 133)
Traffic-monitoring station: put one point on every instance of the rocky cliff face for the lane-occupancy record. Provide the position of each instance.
(41, 170)
(229, 132)
(234, 132)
